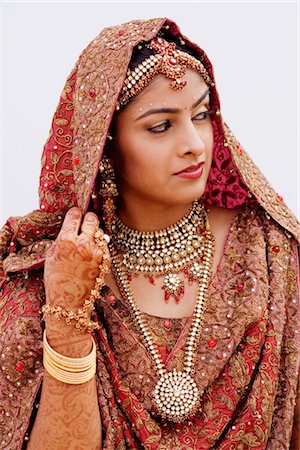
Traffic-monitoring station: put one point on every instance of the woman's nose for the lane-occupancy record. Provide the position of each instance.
(192, 142)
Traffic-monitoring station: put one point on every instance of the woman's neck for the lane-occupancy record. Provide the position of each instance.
(150, 216)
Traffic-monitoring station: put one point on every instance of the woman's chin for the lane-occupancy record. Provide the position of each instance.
(189, 193)
(182, 196)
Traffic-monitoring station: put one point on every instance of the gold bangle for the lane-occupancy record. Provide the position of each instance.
(69, 370)
(68, 377)
(83, 362)
(90, 233)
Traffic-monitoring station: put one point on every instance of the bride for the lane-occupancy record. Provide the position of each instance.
(164, 265)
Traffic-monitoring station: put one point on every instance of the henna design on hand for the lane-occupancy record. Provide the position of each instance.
(72, 262)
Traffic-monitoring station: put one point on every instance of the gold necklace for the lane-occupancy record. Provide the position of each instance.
(167, 252)
(176, 395)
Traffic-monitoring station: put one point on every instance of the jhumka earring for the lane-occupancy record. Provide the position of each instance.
(108, 191)
(108, 187)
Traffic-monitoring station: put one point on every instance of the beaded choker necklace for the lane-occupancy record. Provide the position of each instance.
(168, 252)
(176, 396)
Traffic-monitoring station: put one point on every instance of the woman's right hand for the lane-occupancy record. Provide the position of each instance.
(72, 263)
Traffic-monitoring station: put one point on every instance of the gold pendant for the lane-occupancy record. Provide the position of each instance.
(174, 286)
(176, 396)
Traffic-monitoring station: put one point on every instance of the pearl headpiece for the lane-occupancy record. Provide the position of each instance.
(167, 60)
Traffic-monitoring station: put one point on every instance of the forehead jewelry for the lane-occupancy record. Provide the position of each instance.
(176, 396)
(167, 60)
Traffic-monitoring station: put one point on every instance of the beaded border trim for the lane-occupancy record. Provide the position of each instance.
(169, 61)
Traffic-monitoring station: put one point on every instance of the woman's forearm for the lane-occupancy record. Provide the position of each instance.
(68, 416)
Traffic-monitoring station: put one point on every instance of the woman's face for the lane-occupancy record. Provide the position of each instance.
(158, 137)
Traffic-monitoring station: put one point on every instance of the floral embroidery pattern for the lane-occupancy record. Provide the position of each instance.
(249, 342)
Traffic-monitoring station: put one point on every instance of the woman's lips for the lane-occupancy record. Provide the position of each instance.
(191, 172)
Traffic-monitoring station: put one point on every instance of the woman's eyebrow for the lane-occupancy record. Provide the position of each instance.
(172, 110)
(203, 97)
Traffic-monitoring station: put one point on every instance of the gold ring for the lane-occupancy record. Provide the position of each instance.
(101, 237)
(90, 233)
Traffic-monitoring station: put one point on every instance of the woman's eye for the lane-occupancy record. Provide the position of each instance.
(202, 115)
(160, 128)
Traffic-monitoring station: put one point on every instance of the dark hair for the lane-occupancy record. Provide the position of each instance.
(142, 52)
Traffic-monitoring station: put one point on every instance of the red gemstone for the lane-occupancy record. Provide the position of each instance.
(276, 249)
(121, 32)
(240, 287)
(76, 160)
(20, 366)
(129, 277)
(172, 60)
(212, 343)
(241, 151)
(167, 323)
(116, 423)
(280, 198)
(185, 271)
(167, 296)
(151, 279)
(111, 298)
(190, 279)
(182, 291)
(177, 299)
(92, 93)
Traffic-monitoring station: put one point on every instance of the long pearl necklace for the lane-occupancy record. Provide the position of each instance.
(176, 396)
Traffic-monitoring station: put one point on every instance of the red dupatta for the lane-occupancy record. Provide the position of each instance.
(69, 171)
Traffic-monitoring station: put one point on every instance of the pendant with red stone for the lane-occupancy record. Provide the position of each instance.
(173, 286)
(171, 60)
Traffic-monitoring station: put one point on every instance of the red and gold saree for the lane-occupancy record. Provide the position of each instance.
(247, 358)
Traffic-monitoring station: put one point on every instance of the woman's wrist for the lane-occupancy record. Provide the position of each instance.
(80, 319)
(69, 369)
(64, 339)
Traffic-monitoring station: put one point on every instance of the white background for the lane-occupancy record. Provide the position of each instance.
(252, 45)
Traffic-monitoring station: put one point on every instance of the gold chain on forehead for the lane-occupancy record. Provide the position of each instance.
(167, 60)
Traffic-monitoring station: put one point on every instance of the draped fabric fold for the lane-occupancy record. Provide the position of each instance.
(249, 393)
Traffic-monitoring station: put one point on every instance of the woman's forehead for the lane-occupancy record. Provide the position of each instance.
(159, 92)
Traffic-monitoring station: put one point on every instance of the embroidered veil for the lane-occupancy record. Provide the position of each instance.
(261, 415)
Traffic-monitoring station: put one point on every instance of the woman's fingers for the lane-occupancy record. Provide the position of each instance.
(90, 224)
(71, 224)
(84, 239)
